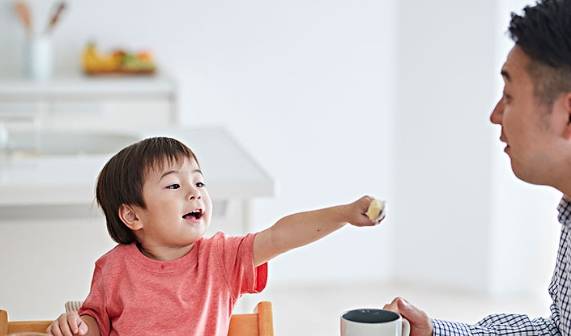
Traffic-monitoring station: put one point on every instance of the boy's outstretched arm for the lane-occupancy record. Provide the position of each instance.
(302, 228)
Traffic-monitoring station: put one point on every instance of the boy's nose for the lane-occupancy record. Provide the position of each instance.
(194, 193)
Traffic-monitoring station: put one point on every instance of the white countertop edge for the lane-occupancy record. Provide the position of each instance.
(84, 195)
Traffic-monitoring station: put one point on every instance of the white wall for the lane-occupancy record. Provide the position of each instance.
(307, 88)
(468, 223)
(44, 261)
(444, 94)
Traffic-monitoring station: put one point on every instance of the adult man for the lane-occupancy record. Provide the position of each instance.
(535, 118)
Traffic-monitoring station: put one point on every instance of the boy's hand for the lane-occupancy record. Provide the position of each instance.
(357, 212)
(68, 324)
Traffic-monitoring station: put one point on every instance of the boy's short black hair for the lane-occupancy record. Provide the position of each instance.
(121, 179)
(543, 32)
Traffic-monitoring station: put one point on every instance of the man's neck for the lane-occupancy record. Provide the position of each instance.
(562, 177)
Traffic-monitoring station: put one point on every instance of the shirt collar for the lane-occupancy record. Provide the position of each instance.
(564, 209)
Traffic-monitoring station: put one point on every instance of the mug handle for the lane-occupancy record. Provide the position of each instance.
(405, 327)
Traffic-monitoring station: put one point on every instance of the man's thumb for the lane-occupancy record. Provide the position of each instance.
(407, 310)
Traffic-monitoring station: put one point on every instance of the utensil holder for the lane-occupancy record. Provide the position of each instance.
(38, 60)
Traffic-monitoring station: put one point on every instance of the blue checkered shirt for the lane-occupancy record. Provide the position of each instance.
(559, 323)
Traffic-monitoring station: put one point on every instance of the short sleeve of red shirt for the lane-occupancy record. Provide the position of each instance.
(94, 305)
(238, 261)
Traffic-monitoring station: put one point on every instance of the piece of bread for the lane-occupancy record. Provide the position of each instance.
(375, 209)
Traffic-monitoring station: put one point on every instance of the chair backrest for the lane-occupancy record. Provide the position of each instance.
(259, 323)
(12, 327)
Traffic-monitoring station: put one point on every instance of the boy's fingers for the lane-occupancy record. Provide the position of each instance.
(83, 327)
(55, 332)
(72, 321)
(63, 326)
(55, 328)
(49, 329)
(368, 202)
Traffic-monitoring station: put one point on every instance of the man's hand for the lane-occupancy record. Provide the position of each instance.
(420, 323)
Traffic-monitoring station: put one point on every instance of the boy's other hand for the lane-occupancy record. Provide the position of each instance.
(420, 323)
(357, 212)
(68, 324)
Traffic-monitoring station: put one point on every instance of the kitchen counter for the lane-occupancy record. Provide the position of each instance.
(93, 103)
(76, 87)
(230, 172)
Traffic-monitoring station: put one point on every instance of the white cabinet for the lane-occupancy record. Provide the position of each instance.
(89, 103)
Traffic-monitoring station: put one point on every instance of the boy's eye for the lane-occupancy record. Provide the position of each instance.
(200, 184)
(173, 186)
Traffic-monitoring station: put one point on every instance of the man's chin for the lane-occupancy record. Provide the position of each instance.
(526, 175)
(518, 171)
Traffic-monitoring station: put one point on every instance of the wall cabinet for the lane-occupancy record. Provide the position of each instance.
(89, 103)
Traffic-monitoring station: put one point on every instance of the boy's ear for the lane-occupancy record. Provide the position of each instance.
(567, 109)
(128, 214)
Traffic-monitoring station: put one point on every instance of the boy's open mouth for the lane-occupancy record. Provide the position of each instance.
(196, 214)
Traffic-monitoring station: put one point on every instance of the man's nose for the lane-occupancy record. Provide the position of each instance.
(497, 112)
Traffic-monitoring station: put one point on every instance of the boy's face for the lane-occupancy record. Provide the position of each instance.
(178, 207)
(531, 129)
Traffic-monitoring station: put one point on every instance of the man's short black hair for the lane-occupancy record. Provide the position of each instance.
(543, 32)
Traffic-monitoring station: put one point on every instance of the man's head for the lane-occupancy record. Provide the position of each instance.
(535, 108)
(150, 190)
(543, 33)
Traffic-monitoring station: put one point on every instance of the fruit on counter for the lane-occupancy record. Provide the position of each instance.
(133, 62)
(93, 61)
(145, 56)
(118, 61)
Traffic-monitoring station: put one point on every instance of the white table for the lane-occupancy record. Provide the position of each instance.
(231, 173)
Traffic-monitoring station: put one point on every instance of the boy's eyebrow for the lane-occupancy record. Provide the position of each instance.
(176, 172)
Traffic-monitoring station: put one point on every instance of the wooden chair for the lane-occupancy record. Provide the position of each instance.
(259, 323)
(13, 327)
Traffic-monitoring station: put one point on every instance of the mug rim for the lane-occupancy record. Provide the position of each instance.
(393, 316)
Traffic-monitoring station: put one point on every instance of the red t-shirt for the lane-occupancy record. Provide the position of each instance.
(193, 295)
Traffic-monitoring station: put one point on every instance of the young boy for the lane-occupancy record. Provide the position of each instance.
(164, 277)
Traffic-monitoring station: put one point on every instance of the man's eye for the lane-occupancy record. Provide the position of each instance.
(507, 98)
(173, 186)
(200, 185)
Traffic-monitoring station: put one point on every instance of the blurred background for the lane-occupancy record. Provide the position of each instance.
(322, 102)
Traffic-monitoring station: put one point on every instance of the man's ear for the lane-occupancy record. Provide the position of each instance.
(128, 214)
(567, 111)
